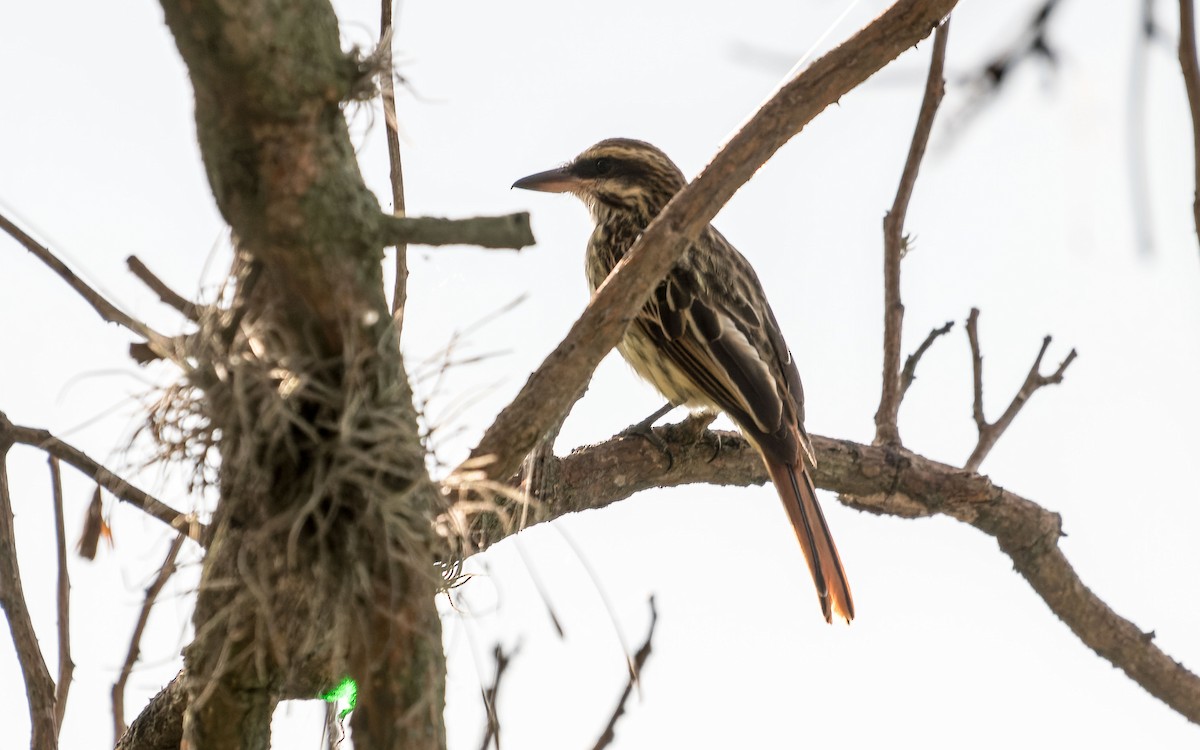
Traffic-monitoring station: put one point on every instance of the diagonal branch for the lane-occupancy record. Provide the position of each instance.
(549, 391)
(909, 373)
(118, 689)
(1191, 81)
(121, 489)
(990, 433)
(887, 432)
(107, 310)
(169, 296)
(639, 660)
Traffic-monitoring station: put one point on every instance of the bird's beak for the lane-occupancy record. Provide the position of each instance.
(551, 181)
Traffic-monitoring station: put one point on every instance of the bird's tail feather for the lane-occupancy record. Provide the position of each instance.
(799, 498)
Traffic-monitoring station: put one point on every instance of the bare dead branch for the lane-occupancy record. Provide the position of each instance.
(990, 433)
(1191, 81)
(152, 591)
(39, 686)
(121, 489)
(886, 481)
(107, 310)
(909, 373)
(887, 432)
(165, 293)
(639, 661)
(66, 666)
(500, 232)
(558, 380)
(387, 90)
(492, 732)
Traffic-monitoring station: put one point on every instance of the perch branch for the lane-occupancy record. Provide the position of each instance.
(39, 686)
(887, 432)
(550, 389)
(886, 481)
(909, 373)
(990, 433)
(1191, 81)
(639, 661)
(131, 657)
(165, 293)
(121, 489)
(502, 232)
(66, 666)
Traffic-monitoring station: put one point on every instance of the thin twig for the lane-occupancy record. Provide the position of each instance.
(131, 657)
(107, 310)
(123, 490)
(39, 686)
(887, 432)
(165, 293)
(66, 666)
(510, 232)
(387, 91)
(909, 373)
(639, 661)
(990, 433)
(1191, 81)
(492, 732)
(552, 387)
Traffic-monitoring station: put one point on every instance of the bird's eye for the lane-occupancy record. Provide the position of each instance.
(603, 166)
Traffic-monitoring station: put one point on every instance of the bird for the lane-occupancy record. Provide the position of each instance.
(706, 338)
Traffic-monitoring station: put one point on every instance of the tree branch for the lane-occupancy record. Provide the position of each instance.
(121, 489)
(562, 375)
(1191, 81)
(118, 690)
(165, 293)
(492, 732)
(66, 666)
(887, 432)
(107, 310)
(639, 660)
(501, 232)
(885, 481)
(39, 686)
(909, 374)
(990, 433)
(387, 92)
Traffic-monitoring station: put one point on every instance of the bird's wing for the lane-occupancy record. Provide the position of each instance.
(712, 331)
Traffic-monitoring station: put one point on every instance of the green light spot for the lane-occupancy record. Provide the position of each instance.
(346, 692)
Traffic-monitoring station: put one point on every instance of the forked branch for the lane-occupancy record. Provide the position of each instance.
(989, 433)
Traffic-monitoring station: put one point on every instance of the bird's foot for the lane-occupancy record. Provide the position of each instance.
(645, 430)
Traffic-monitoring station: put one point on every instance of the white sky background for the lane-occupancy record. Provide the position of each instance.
(1025, 215)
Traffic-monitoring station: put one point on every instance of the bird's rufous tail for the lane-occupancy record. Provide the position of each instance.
(799, 497)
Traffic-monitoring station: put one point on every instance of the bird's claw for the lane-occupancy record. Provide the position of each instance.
(645, 430)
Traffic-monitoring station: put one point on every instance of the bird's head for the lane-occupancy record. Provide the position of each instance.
(615, 176)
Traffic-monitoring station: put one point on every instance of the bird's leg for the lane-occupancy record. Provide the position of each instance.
(645, 429)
